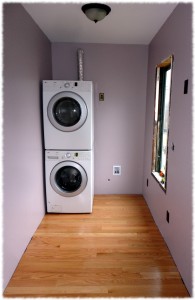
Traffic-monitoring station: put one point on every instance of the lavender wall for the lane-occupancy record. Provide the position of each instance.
(118, 71)
(27, 60)
(175, 37)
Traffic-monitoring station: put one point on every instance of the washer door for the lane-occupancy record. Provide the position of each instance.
(67, 111)
(68, 179)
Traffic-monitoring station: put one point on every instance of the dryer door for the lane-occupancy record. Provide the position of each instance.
(67, 111)
(68, 179)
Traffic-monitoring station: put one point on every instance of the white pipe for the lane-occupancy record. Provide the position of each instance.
(80, 63)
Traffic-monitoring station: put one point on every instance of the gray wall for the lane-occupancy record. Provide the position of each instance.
(27, 60)
(119, 71)
(175, 37)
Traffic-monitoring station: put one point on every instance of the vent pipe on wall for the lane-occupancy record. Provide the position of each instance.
(80, 63)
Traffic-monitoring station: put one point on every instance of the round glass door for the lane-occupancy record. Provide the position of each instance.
(67, 111)
(68, 179)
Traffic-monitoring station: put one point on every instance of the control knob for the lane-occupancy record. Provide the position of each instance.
(67, 85)
(68, 155)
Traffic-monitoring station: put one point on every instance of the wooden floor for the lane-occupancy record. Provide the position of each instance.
(117, 251)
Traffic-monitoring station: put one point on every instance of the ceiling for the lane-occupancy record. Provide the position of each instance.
(127, 23)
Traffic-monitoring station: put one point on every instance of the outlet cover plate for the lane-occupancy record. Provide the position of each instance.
(117, 170)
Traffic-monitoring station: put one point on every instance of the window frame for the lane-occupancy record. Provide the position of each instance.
(158, 121)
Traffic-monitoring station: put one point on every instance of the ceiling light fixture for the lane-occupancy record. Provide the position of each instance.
(96, 11)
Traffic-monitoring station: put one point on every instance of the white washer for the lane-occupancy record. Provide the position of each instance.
(69, 181)
(68, 114)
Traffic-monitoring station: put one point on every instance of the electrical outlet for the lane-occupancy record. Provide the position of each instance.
(116, 170)
(101, 96)
(168, 217)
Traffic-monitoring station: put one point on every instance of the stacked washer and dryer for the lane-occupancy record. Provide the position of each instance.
(68, 123)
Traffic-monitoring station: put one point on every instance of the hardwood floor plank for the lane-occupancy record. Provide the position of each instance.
(117, 251)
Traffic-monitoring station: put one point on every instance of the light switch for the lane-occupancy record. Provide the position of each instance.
(185, 86)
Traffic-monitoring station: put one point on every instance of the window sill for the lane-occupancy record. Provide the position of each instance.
(158, 178)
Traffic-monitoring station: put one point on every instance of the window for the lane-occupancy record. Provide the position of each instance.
(161, 121)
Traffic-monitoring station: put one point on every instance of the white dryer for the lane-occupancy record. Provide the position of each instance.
(69, 181)
(68, 114)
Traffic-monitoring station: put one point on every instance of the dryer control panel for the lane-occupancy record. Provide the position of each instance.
(67, 85)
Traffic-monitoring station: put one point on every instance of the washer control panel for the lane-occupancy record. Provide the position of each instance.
(68, 155)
